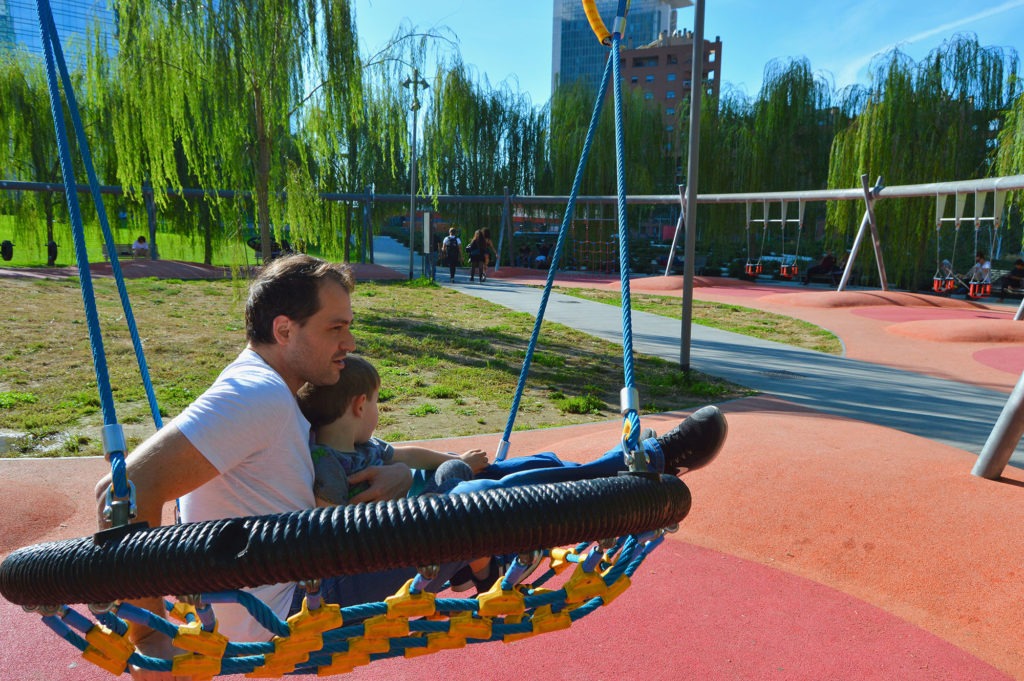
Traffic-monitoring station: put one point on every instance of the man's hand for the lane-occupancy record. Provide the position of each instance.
(476, 458)
(386, 483)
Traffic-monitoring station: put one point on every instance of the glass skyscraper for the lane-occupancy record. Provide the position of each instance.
(576, 52)
(19, 25)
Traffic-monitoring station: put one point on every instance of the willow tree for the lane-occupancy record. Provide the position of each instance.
(225, 85)
(727, 147)
(30, 150)
(1010, 154)
(651, 151)
(926, 122)
(479, 139)
(777, 142)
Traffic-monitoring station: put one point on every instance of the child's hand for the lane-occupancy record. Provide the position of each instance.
(476, 458)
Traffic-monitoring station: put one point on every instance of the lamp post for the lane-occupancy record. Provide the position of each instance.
(415, 83)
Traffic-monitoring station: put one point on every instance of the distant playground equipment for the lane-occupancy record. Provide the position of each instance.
(601, 529)
(789, 267)
(946, 280)
(753, 267)
(276, 249)
(591, 251)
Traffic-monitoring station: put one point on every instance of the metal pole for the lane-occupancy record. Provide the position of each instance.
(876, 241)
(865, 221)
(415, 83)
(675, 236)
(1004, 436)
(147, 193)
(367, 232)
(412, 192)
(696, 95)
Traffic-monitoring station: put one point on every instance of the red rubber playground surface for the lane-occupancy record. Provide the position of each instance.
(817, 547)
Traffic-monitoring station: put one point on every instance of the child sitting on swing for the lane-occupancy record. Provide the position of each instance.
(343, 417)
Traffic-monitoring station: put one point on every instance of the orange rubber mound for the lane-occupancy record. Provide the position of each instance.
(962, 330)
(674, 282)
(834, 299)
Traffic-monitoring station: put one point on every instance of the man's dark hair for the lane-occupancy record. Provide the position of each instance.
(324, 404)
(289, 286)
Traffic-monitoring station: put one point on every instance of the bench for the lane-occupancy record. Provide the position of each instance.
(996, 277)
(122, 251)
(835, 276)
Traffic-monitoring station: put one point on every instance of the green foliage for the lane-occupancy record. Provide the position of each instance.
(581, 404)
(932, 121)
(271, 99)
(236, 95)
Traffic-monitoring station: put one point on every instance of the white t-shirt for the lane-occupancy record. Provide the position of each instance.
(249, 426)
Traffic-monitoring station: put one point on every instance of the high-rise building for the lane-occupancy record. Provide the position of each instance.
(75, 19)
(576, 53)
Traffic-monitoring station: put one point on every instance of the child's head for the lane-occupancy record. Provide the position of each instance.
(324, 404)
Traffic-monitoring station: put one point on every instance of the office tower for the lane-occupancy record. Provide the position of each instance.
(75, 20)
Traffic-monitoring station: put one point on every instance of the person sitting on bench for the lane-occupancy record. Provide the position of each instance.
(825, 267)
(140, 249)
(1013, 281)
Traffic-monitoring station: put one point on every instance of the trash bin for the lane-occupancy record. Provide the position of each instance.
(51, 254)
(6, 250)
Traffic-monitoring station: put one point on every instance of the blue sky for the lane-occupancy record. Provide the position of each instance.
(512, 40)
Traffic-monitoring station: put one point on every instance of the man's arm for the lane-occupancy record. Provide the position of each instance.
(163, 468)
(392, 481)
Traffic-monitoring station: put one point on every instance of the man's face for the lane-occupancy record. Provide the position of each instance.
(315, 351)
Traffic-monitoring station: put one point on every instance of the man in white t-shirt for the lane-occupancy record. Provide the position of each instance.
(981, 272)
(242, 447)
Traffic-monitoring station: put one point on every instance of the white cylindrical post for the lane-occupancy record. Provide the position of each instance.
(1004, 436)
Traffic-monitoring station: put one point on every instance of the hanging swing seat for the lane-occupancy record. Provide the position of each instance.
(609, 524)
(752, 269)
(979, 289)
(789, 271)
(941, 284)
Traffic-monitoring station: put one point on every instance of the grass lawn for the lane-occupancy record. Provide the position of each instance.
(449, 363)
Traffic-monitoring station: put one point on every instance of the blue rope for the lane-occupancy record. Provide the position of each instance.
(48, 37)
(632, 442)
(611, 69)
(97, 197)
(552, 269)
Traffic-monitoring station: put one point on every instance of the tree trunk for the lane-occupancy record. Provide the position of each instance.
(51, 253)
(262, 177)
(206, 224)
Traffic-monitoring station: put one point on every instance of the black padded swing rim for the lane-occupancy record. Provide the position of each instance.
(220, 555)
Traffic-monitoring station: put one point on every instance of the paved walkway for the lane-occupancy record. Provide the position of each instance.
(954, 413)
